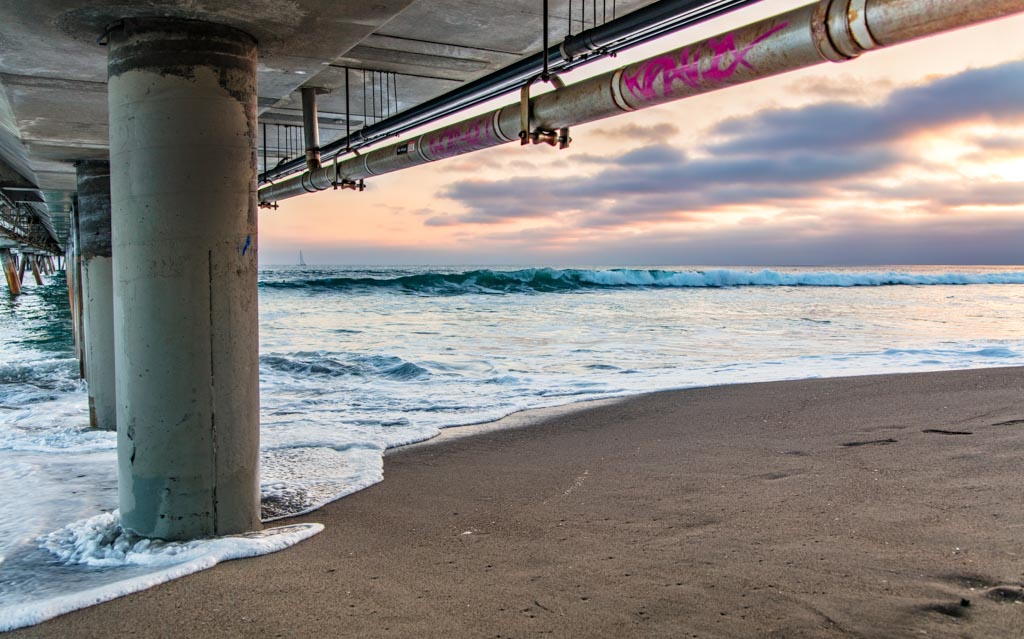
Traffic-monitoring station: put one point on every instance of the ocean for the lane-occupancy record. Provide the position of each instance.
(355, 360)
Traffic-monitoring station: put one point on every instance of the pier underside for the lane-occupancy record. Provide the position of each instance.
(140, 139)
(132, 137)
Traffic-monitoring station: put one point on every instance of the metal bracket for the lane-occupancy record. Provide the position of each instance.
(341, 183)
(269, 205)
(529, 135)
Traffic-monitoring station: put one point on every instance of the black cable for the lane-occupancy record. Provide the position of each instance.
(545, 75)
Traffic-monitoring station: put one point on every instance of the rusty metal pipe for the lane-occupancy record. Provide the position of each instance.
(829, 30)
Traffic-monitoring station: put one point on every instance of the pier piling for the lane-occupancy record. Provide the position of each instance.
(182, 97)
(10, 272)
(93, 179)
(34, 260)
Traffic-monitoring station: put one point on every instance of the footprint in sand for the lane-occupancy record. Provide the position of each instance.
(957, 610)
(1006, 594)
(870, 442)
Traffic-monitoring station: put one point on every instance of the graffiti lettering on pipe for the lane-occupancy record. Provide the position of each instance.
(714, 61)
(457, 139)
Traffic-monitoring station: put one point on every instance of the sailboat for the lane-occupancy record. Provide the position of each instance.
(302, 261)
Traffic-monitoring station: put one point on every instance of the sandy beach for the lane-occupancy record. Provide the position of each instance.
(882, 506)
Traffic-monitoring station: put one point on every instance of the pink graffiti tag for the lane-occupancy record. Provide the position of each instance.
(461, 138)
(687, 68)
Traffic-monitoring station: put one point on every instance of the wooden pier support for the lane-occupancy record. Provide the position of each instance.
(34, 259)
(10, 271)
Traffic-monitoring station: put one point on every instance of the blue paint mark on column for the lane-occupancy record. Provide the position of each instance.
(248, 243)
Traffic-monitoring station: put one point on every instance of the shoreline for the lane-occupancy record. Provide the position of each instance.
(528, 417)
(855, 506)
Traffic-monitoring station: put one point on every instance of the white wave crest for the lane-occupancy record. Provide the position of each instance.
(100, 541)
(730, 277)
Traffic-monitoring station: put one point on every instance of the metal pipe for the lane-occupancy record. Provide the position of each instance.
(311, 128)
(637, 27)
(830, 30)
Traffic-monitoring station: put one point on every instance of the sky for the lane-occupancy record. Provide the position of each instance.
(912, 154)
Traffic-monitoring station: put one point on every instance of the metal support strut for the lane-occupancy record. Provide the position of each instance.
(311, 126)
(527, 133)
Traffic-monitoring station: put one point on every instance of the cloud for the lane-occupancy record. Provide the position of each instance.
(839, 84)
(991, 94)
(828, 152)
(655, 132)
(852, 237)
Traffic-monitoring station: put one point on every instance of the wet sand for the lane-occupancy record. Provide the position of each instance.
(884, 506)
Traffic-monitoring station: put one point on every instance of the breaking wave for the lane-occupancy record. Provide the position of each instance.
(550, 280)
(344, 365)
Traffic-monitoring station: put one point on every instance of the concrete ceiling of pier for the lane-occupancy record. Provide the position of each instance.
(53, 102)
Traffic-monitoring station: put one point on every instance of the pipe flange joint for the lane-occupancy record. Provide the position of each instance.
(618, 97)
(857, 14)
(840, 29)
(820, 34)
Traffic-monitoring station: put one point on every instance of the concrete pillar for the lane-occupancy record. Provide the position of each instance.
(97, 290)
(75, 291)
(10, 272)
(69, 275)
(183, 180)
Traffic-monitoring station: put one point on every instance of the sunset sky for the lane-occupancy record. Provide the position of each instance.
(908, 155)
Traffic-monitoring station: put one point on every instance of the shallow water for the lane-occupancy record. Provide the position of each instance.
(356, 360)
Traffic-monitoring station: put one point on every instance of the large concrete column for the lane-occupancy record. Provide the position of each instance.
(75, 289)
(183, 180)
(97, 290)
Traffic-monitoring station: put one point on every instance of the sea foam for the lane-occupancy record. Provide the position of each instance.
(100, 541)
